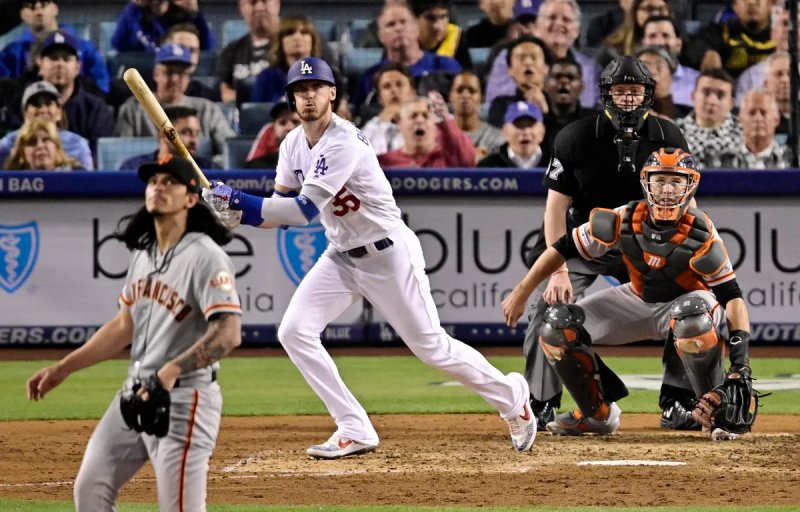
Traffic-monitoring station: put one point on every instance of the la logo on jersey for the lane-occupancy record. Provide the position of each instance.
(321, 167)
(305, 68)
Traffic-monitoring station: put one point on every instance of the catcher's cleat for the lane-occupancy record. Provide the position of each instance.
(523, 429)
(574, 423)
(545, 412)
(719, 434)
(676, 417)
(337, 447)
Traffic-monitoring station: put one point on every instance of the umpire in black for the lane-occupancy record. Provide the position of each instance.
(596, 163)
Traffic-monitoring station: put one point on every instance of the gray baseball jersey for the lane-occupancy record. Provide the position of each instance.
(170, 297)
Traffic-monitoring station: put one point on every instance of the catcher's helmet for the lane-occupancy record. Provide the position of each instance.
(667, 198)
(309, 68)
(626, 70)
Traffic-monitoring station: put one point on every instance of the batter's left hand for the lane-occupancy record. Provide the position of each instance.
(514, 307)
(222, 198)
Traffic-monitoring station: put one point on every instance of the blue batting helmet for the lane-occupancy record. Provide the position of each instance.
(309, 68)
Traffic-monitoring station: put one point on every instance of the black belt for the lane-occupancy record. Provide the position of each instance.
(360, 252)
(213, 379)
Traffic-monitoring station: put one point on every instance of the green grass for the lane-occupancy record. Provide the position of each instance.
(384, 385)
(58, 506)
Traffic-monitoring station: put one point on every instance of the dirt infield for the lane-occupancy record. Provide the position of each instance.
(442, 460)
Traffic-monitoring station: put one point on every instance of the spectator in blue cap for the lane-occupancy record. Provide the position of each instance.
(18, 58)
(523, 128)
(172, 74)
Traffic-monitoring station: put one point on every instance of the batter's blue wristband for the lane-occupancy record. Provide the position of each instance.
(250, 207)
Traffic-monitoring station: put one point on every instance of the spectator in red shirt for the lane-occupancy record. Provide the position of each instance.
(431, 137)
(264, 153)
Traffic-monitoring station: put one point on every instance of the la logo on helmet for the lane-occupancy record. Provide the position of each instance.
(305, 68)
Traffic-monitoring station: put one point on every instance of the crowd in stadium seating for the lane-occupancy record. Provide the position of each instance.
(425, 90)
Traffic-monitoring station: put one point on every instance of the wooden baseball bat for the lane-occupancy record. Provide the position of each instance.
(148, 101)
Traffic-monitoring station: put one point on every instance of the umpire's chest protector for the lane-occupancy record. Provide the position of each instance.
(666, 263)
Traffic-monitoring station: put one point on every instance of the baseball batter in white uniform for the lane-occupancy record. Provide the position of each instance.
(180, 312)
(372, 254)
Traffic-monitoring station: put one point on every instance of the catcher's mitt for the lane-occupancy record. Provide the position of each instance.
(732, 406)
(150, 416)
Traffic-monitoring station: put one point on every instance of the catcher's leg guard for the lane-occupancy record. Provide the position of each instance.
(697, 342)
(568, 348)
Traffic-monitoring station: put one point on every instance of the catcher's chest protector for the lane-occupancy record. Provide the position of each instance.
(658, 260)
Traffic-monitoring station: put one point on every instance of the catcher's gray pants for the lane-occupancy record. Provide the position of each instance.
(542, 379)
(180, 460)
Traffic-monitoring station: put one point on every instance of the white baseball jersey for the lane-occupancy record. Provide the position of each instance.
(343, 163)
(170, 308)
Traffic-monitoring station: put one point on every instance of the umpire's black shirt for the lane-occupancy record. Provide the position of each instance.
(585, 158)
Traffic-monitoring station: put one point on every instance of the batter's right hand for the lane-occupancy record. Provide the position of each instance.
(44, 380)
(559, 289)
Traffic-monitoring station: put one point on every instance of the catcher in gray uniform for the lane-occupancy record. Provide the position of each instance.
(180, 313)
(681, 281)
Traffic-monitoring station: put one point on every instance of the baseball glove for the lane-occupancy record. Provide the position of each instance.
(150, 416)
(732, 406)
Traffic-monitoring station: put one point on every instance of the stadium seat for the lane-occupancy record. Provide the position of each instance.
(105, 31)
(118, 62)
(112, 151)
(209, 81)
(357, 26)
(253, 116)
(327, 29)
(479, 57)
(231, 113)
(232, 30)
(82, 30)
(691, 27)
(358, 60)
(236, 150)
(207, 64)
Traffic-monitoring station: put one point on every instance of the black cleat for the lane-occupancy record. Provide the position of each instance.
(677, 417)
(545, 412)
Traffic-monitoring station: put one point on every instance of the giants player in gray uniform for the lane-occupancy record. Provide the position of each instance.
(180, 313)
(329, 165)
(680, 276)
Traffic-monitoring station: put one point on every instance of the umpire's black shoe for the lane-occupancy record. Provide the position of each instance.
(676, 416)
(545, 412)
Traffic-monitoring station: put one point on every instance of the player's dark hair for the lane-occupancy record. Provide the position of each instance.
(175, 112)
(548, 56)
(717, 74)
(138, 231)
(568, 61)
(658, 19)
(181, 27)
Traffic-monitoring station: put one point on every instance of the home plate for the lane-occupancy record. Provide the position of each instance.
(630, 463)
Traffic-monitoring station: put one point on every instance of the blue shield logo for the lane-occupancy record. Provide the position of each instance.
(19, 248)
(299, 247)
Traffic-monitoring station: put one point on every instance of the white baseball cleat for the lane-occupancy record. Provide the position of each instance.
(523, 429)
(337, 447)
(719, 434)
